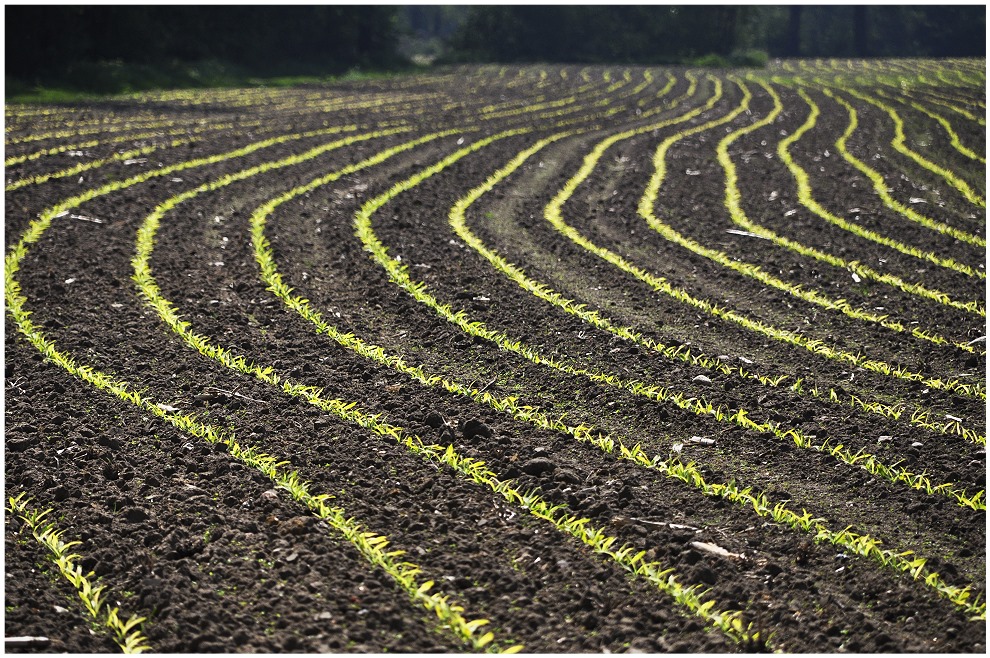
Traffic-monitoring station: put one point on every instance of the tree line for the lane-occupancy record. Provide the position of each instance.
(672, 34)
(46, 41)
(52, 41)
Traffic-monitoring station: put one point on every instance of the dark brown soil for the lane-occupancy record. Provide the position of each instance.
(219, 559)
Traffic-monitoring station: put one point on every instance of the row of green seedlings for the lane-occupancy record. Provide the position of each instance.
(608, 100)
(543, 292)
(242, 97)
(48, 219)
(860, 544)
(733, 199)
(689, 596)
(382, 104)
(903, 561)
(666, 105)
(806, 197)
(933, 95)
(553, 214)
(523, 106)
(880, 185)
(79, 146)
(558, 108)
(110, 121)
(946, 125)
(648, 202)
(904, 82)
(228, 130)
(555, 122)
(91, 164)
(94, 164)
(513, 104)
(942, 102)
(473, 83)
(555, 115)
(920, 417)
(398, 273)
(899, 145)
(671, 81)
(257, 126)
(386, 101)
(603, 102)
(119, 156)
(371, 545)
(285, 112)
(905, 99)
(599, 88)
(688, 473)
(64, 133)
(287, 102)
(944, 76)
(779, 510)
(899, 90)
(126, 634)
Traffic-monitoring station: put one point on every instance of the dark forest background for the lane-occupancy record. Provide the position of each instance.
(114, 46)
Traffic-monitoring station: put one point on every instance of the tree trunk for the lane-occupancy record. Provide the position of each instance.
(794, 31)
(860, 29)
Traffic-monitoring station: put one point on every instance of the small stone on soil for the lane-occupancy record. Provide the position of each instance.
(538, 466)
(135, 515)
(433, 419)
(475, 427)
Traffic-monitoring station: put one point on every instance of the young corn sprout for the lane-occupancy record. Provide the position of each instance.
(126, 633)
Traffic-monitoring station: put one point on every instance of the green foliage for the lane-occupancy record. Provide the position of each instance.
(714, 36)
(122, 48)
(127, 635)
(710, 61)
(751, 58)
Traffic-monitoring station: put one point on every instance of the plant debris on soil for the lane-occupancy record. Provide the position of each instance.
(541, 359)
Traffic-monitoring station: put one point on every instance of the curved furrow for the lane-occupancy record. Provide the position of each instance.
(649, 199)
(733, 199)
(370, 545)
(882, 190)
(899, 145)
(261, 128)
(398, 273)
(707, 609)
(942, 121)
(807, 197)
(685, 473)
(951, 104)
(177, 129)
(669, 233)
(941, 144)
(299, 303)
(585, 393)
(659, 284)
(46, 533)
(457, 220)
(80, 146)
(596, 318)
(728, 621)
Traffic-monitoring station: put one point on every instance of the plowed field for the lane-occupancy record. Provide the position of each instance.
(551, 359)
